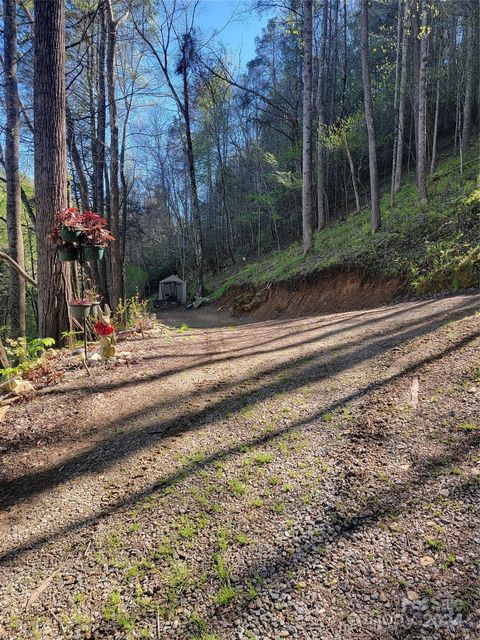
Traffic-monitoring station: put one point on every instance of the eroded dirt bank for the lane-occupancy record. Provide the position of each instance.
(316, 294)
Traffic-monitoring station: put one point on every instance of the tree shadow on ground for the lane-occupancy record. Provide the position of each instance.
(249, 351)
(30, 439)
(105, 455)
(116, 445)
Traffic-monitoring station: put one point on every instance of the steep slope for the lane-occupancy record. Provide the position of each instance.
(417, 251)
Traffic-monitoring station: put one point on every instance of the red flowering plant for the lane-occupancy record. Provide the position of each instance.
(79, 301)
(103, 329)
(91, 220)
(70, 217)
(98, 237)
(91, 226)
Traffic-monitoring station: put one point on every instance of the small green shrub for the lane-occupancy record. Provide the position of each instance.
(24, 354)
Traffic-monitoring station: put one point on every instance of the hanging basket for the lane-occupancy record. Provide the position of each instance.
(90, 252)
(70, 235)
(80, 311)
(67, 253)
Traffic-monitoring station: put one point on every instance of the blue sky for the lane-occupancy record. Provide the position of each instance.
(238, 26)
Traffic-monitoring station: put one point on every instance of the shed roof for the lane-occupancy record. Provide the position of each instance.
(172, 278)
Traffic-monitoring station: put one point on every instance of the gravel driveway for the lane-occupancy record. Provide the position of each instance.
(305, 478)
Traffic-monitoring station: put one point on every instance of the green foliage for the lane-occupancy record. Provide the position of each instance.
(454, 266)
(136, 279)
(433, 249)
(24, 354)
(263, 458)
(225, 594)
(70, 338)
(114, 612)
(131, 313)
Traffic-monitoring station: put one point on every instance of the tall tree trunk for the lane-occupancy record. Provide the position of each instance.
(16, 296)
(396, 99)
(115, 255)
(402, 99)
(307, 186)
(469, 74)
(92, 122)
(422, 106)
(197, 221)
(322, 213)
(226, 208)
(123, 178)
(367, 97)
(53, 277)
(354, 180)
(77, 161)
(334, 49)
(433, 159)
(100, 165)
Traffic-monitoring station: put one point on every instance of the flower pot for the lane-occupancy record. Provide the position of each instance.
(80, 311)
(95, 311)
(70, 235)
(67, 253)
(90, 252)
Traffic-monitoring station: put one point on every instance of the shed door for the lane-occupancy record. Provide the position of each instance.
(170, 291)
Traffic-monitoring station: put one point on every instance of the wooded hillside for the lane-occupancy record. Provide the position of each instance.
(198, 163)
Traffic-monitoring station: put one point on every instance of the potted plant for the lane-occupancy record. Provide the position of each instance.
(70, 222)
(80, 308)
(80, 235)
(96, 240)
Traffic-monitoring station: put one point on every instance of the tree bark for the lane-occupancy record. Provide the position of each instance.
(20, 270)
(396, 99)
(422, 105)
(53, 277)
(100, 141)
(307, 186)
(116, 291)
(433, 159)
(367, 97)
(397, 179)
(197, 221)
(322, 211)
(16, 295)
(353, 177)
(77, 161)
(469, 74)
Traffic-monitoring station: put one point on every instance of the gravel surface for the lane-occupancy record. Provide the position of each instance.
(310, 478)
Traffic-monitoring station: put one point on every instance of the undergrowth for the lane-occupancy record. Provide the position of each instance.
(24, 354)
(434, 248)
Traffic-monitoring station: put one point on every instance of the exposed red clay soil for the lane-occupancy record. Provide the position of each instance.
(317, 294)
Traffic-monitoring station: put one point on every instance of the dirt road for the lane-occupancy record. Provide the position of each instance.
(305, 478)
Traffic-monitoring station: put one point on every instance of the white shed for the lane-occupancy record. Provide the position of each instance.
(172, 289)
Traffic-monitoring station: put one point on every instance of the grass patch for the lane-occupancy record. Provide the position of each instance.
(237, 487)
(434, 543)
(468, 426)
(225, 595)
(263, 458)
